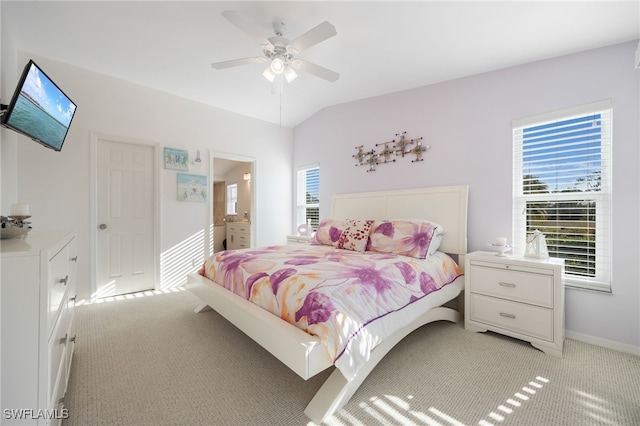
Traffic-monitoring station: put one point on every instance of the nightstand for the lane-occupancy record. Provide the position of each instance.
(516, 296)
(298, 239)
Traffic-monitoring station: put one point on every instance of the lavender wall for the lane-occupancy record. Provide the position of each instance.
(467, 123)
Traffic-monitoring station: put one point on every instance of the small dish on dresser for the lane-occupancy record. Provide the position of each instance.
(19, 218)
(501, 250)
(14, 232)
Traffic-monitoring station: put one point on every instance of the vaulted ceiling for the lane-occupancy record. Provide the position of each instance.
(380, 46)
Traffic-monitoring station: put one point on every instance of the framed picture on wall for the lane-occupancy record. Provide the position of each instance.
(192, 187)
(176, 159)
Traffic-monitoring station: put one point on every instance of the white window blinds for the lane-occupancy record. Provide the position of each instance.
(562, 187)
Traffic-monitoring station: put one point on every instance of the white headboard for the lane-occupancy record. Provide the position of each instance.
(446, 205)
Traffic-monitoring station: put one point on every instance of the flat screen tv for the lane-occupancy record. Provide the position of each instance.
(39, 109)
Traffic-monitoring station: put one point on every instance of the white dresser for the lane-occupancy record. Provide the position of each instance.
(238, 235)
(38, 325)
(516, 296)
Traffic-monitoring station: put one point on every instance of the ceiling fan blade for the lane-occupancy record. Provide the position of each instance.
(253, 32)
(316, 70)
(238, 62)
(312, 37)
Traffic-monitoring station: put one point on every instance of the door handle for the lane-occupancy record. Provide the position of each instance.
(103, 226)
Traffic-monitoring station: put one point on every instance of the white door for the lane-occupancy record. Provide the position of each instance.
(126, 220)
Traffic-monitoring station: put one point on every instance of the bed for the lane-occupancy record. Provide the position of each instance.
(308, 354)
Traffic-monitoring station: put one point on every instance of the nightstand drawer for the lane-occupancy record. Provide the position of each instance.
(533, 288)
(518, 317)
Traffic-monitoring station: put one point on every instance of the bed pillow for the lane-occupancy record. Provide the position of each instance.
(356, 235)
(436, 240)
(329, 232)
(413, 238)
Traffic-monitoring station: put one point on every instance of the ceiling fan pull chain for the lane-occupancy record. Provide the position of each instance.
(280, 100)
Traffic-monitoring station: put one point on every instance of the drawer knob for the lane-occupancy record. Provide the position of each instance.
(63, 341)
(504, 314)
(73, 339)
(64, 280)
(504, 284)
(74, 259)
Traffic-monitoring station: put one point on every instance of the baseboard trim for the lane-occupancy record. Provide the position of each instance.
(598, 341)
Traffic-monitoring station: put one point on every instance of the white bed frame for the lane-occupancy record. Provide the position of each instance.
(302, 352)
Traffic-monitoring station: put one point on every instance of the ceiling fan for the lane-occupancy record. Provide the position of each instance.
(280, 52)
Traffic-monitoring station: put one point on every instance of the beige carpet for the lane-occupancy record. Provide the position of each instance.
(153, 361)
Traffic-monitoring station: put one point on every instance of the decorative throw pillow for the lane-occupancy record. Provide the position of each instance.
(329, 232)
(356, 235)
(414, 238)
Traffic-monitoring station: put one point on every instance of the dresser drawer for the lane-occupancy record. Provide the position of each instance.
(527, 287)
(530, 320)
(56, 398)
(241, 240)
(58, 283)
(71, 339)
(238, 228)
(57, 351)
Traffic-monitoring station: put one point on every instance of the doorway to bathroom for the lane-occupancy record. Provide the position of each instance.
(233, 206)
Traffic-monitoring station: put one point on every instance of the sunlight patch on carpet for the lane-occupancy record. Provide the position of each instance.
(519, 398)
(129, 296)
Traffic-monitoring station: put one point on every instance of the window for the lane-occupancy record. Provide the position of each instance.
(308, 196)
(562, 187)
(232, 199)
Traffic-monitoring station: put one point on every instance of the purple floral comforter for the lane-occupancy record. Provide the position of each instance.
(331, 293)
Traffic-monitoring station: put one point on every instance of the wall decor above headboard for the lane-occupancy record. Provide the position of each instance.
(400, 146)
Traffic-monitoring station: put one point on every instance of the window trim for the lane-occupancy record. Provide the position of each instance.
(300, 210)
(602, 281)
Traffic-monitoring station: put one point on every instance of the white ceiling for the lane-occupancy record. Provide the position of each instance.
(381, 47)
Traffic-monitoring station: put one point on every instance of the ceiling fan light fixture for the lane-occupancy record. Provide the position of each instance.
(290, 74)
(277, 66)
(268, 74)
